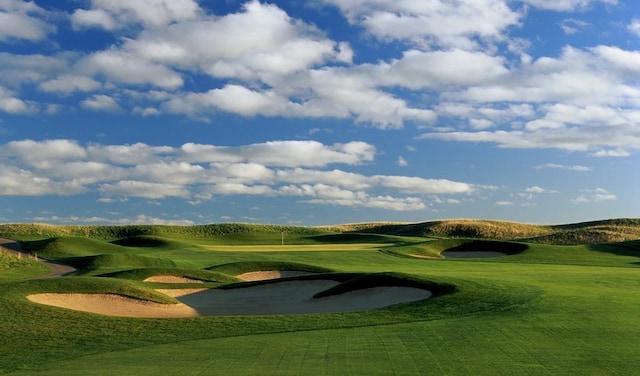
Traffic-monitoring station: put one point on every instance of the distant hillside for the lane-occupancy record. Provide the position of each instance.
(594, 232)
(111, 233)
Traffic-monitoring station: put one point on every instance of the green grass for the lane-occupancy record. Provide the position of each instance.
(545, 309)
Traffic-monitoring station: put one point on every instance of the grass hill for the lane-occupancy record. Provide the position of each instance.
(594, 232)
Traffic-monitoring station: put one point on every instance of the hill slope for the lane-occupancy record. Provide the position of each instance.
(593, 232)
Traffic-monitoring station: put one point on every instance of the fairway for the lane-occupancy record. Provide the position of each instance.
(294, 247)
(537, 309)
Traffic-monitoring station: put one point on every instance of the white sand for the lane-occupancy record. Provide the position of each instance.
(172, 279)
(263, 275)
(284, 297)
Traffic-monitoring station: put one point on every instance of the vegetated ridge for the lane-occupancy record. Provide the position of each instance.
(593, 232)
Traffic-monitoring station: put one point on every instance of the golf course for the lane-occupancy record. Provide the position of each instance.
(449, 297)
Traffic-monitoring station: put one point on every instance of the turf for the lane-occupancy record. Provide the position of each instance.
(545, 309)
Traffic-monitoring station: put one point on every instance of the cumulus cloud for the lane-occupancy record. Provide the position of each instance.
(259, 41)
(17, 70)
(11, 104)
(67, 83)
(565, 5)
(284, 153)
(198, 172)
(22, 20)
(444, 23)
(115, 14)
(122, 67)
(619, 137)
(101, 102)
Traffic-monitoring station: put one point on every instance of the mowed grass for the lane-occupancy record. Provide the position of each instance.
(549, 309)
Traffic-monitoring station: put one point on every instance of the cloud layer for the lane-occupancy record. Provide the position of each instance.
(477, 81)
(198, 173)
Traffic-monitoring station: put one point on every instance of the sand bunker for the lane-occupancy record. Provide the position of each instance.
(285, 297)
(114, 305)
(263, 275)
(172, 279)
(472, 254)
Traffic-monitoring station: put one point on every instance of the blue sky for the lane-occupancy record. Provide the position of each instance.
(318, 112)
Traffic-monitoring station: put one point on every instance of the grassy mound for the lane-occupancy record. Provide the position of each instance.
(435, 248)
(236, 268)
(68, 246)
(144, 241)
(140, 274)
(88, 264)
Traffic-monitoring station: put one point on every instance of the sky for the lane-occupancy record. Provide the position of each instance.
(318, 112)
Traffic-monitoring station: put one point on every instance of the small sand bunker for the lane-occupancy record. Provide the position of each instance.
(472, 254)
(263, 275)
(283, 297)
(172, 279)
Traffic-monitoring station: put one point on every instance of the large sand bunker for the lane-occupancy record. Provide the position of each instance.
(282, 297)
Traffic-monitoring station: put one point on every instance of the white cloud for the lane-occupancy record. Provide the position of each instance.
(572, 26)
(129, 69)
(504, 203)
(17, 70)
(634, 26)
(197, 173)
(21, 20)
(565, 5)
(43, 154)
(115, 14)
(101, 102)
(411, 184)
(444, 23)
(82, 18)
(231, 98)
(535, 189)
(618, 152)
(260, 41)
(618, 139)
(402, 162)
(594, 196)
(563, 167)
(150, 190)
(67, 84)
(284, 153)
(21, 182)
(439, 69)
(11, 104)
